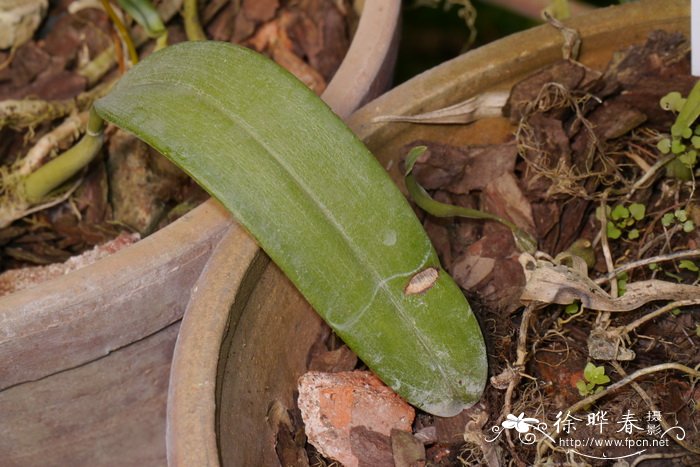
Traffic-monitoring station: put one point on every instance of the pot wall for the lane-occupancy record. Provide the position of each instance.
(264, 336)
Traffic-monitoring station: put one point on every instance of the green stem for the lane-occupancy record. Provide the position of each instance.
(193, 28)
(421, 197)
(123, 33)
(56, 172)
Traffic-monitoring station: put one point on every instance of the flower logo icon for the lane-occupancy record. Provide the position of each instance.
(521, 423)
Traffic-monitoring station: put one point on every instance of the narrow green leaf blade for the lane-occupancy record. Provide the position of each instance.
(318, 203)
(145, 14)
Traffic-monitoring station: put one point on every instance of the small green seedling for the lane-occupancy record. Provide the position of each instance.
(622, 280)
(594, 380)
(621, 219)
(684, 140)
(679, 216)
(688, 265)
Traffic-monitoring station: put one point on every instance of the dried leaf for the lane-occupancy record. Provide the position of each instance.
(485, 105)
(559, 284)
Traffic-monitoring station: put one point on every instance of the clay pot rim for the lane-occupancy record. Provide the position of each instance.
(191, 429)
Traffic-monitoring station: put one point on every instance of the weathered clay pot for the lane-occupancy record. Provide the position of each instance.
(85, 358)
(246, 333)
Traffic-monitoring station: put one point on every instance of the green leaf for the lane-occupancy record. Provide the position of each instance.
(664, 146)
(677, 146)
(619, 212)
(638, 211)
(572, 308)
(689, 158)
(622, 283)
(681, 215)
(145, 14)
(672, 101)
(689, 265)
(633, 234)
(612, 230)
(668, 219)
(677, 169)
(582, 388)
(595, 374)
(318, 203)
(688, 226)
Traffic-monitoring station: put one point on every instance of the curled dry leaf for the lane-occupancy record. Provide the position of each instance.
(558, 284)
(19, 19)
(485, 105)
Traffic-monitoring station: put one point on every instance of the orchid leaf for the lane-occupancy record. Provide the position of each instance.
(318, 203)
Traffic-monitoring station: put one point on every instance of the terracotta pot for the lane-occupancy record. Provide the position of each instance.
(246, 333)
(86, 358)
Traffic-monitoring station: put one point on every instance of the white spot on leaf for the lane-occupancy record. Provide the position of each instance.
(389, 238)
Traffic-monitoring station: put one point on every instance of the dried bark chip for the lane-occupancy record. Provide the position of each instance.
(546, 217)
(332, 361)
(566, 73)
(612, 119)
(453, 168)
(407, 450)
(570, 224)
(639, 61)
(221, 27)
(299, 68)
(260, 10)
(321, 32)
(334, 404)
(371, 449)
(29, 61)
(243, 28)
(489, 272)
(440, 238)
(56, 85)
(140, 181)
(644, 73)
(450, 430)
(504, 198)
